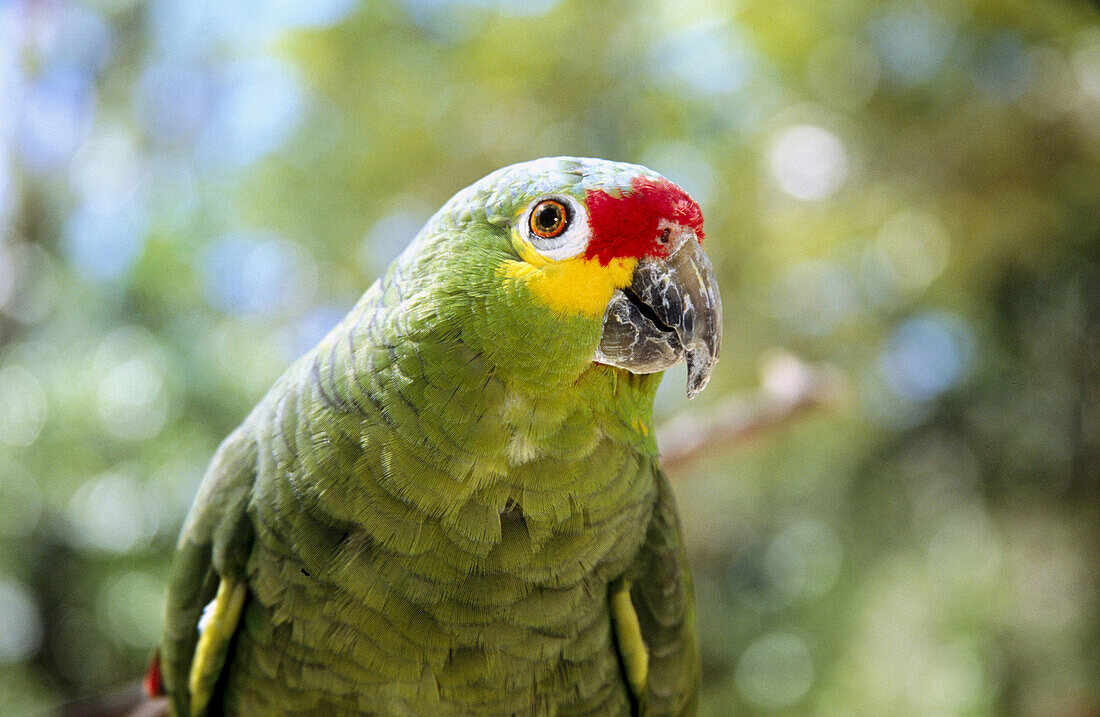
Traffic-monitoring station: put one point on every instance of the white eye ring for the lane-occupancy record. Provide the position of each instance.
(571, 241)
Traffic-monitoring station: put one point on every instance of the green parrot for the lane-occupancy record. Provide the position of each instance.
(453, 504)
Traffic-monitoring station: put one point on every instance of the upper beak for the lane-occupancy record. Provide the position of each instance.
(670, 311)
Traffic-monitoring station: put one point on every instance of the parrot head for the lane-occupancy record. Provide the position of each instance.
(560, 263)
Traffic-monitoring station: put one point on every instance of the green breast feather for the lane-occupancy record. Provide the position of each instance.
(453, 504)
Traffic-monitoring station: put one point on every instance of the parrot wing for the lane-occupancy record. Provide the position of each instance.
(207, 589)
(653, 612)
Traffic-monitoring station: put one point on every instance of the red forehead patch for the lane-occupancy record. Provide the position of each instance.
(628, 226)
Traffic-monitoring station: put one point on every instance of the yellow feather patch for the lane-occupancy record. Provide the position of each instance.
(572, 286)
(218, 625)
(628, 633)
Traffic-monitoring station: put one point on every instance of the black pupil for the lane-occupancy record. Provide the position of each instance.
(549, 218)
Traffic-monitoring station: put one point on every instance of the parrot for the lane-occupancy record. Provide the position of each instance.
(453, 504)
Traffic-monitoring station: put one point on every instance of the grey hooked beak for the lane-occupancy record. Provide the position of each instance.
(670, 311)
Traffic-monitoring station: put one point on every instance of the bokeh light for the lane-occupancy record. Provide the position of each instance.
(775, 671)
(926, 355)
(912, 40)
(23, 406)
(20, 625)
(808, 162)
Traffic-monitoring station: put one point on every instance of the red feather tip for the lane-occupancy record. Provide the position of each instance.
(152, 684)
(629, 225)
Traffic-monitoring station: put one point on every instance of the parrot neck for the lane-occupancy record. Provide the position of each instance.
(429, 431)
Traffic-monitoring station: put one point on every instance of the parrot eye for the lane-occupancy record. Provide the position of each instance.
(549, 219)
(556, 226)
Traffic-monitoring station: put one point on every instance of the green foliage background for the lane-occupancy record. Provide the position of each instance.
(192, 194)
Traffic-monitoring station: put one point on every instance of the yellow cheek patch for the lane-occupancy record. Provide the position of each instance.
(572, 286)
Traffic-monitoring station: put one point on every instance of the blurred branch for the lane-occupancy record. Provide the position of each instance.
(790, 387)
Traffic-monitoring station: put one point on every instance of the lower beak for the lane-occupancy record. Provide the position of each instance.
(670, 311)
